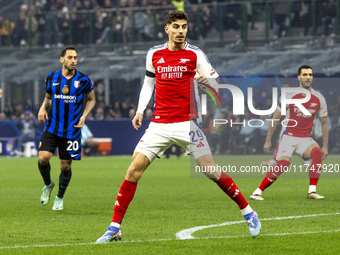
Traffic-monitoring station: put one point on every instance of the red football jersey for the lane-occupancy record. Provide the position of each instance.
(304, 124)
(175, 97)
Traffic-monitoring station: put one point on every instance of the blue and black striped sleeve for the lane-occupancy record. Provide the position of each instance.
(89, 85)
(48, 83)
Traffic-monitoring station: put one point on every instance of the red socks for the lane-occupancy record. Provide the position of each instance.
(124, 197)
(273, 174)
(316, 166)
(229, 187)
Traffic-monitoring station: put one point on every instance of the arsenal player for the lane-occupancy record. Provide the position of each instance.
(170, 69)
(297, 136)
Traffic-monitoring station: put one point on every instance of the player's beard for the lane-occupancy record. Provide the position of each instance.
(69, 68)
(306, 86)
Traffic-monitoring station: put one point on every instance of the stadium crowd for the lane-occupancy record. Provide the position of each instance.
(60, 22)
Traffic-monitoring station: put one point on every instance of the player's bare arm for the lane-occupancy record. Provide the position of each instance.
(137, 121)
(268, 143)
(325, 134)
(42, 114)
(91, 101)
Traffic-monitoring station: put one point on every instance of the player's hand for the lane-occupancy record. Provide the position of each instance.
(324, 152)
(137, 121)
(267, 146)
(80, 123)
(201, 81)
(42, 115)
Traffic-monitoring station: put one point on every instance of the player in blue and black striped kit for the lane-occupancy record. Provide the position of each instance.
(65, 93)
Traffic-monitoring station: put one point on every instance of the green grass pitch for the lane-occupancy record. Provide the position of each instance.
(167, 201)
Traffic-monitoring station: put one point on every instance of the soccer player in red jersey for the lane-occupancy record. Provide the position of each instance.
(297, 136)
(170, 69)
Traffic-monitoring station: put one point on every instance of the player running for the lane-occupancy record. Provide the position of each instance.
(298, 138)
(170, 69)
(65, 91)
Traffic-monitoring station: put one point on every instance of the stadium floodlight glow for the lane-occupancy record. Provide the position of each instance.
(238, 99)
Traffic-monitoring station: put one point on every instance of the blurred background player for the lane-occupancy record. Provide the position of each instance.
(27, 125)
(297, 138)
(272, 162)
(65, 91)
(170, 69)
(89, 144)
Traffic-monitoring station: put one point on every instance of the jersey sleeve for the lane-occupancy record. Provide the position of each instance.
(204, 67)
(89, 86)
(48, 83)
(323, 112)
(150, 69)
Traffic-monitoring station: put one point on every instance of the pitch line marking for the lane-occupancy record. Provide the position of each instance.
(187, 233)
(165, 240)
(196, 238)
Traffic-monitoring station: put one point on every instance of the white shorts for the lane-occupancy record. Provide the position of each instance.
(160, 136)
(290, 144)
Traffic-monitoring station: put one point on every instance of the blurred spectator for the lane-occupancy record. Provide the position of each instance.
(116, 111)
(84, 23)
(107, 4)
(193, 16)
(102, 27)
(232, 15)
(41, 30)
(90, 116)
(64, 25)
(127, 26)
(118, 25)
(125, 106)
(6, 27)
(303, 15)
(99, 115)
(207, 20)
(281, 11)
(31, 26)
(132, 113)
(19, 32)
(19, 110)
(249, 135)
(328, 17)
(225, 135)
(148, 114)
(141, 20)
(9, 111)
(3, 116)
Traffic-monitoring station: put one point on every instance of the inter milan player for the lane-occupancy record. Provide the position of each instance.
(297, 137)
(170, 69)
(65, 92)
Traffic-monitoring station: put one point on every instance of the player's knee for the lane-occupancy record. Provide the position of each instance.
(43, 159)
(316, 153)
(65, 165)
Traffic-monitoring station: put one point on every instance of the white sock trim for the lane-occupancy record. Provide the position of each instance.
(312, 188)
(258, 192)
(114, 224)
(246, 210)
